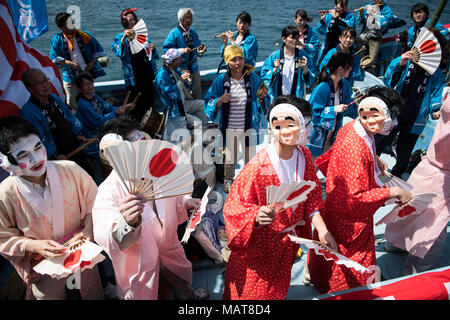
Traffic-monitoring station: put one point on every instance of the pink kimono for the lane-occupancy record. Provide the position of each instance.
(137, 267)
(21, 220)
(416, 234)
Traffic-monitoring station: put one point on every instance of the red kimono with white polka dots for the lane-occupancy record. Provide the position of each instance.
(353, 197)
(261, 259)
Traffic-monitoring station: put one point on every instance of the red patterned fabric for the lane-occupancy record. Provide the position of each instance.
(261, 258)
(353, 197)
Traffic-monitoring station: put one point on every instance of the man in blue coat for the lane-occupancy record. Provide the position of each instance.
(422, 92)
(74, 51)
(186, 38)
(59, 129)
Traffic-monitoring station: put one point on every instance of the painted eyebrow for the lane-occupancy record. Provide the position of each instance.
(274, 119)
(289, 118)
(374, 109)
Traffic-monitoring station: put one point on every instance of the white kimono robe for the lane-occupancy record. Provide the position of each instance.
(137, 266)
(22, 219)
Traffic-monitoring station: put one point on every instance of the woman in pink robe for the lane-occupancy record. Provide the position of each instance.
(423, 235)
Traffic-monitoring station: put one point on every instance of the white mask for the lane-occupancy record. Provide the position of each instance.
(30, 155)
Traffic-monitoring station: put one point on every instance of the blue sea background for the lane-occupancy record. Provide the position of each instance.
(102, 19)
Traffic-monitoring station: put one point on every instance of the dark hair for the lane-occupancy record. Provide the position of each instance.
(26, 76)
(343, 3)
(302, 13)
(61, 19)
(11, 130)
(290, 30)
(120, 126)
(351, 30)
(245, 17)
(300, 104)
(123, 19)
(420, 7)
(84, 75)
(392, 98)
(338, 59)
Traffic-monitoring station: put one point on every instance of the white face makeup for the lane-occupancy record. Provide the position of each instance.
(374, 116)
(287, 125)
(30, 155)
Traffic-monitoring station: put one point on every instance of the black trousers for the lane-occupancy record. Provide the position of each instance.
(405, 145)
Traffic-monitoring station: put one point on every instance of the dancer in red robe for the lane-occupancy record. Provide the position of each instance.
(355, 191)
(262, 255)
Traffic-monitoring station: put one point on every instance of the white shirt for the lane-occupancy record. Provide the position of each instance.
(76, 56)
(288, 74)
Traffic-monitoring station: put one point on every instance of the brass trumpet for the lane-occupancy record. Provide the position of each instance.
(224, 33)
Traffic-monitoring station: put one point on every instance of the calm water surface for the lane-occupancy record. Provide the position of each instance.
(101, 18)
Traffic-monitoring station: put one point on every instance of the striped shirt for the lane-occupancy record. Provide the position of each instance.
(238, 102)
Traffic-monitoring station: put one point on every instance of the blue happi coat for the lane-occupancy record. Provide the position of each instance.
(323, 116)
(273, 80)
(433, 95)
(32, 113)
(438, 26)
(59, 51)
(124, 53)
(175, 39)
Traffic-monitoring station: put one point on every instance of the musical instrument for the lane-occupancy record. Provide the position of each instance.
(137, 97)
(201, 49)
(277, 49)
(302, 62)
(104, 61)
(224, 33)
(262, 90)
(153, 123)
(373, 5)
(359, 51)
(365, 61)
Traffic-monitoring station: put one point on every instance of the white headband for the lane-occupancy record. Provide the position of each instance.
(376, 103)
(289, 108)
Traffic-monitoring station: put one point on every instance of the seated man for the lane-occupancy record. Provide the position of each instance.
(75, 51)
(183, 109)
(59, 130)
(41, 203)
(125, 225)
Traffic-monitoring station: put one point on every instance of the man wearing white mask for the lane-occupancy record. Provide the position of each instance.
(260, 263)
(42, 204)
(355, 191)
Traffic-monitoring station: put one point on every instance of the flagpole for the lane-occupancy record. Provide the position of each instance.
(437, 13)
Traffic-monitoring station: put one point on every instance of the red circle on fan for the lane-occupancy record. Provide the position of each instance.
(163, 162)
(428, 46)
(72, 259)
(141, 38)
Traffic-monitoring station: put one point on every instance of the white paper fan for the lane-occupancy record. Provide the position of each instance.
(415, 206)
(287, 195)
(196, 217)
(389, 181)
(156, 169)
(329, 254)
(80, 256)
(426, 51)
(140, 40)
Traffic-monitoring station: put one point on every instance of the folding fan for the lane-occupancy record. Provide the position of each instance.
(80, 256)
(196, 217)
(415, 206)
(389, 181)
(287, 195)
(329, 254)
(156, 169)
(426, 51)
(140, 40)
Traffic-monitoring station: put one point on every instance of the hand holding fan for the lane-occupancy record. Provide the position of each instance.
(80, 255)
(196, 217)
(415, 206)
(287, 195)
(328, 253)
(389, 181)
(156, 169)
(140, 40)
(426, 51)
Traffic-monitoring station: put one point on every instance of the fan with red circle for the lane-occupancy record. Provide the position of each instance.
(426, 51)
(287, 195)
(81, 255)
(140, 40)
(156, 169)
